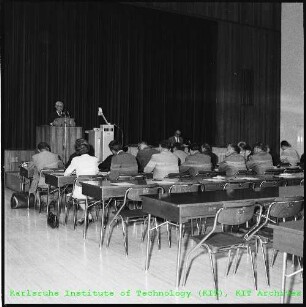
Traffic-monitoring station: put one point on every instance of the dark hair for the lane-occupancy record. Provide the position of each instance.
(206, 146)
(194, 146)
(81, 147)
(43, 145)
(115, 146)
(244, 146)
(234, 146)
(260, 145)
(177, 146)
(125, 148)
(285, 143)
(165, 144)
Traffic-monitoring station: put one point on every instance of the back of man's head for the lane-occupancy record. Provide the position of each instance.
(115, 146)
(43, 146)
(177, 146)
(194, 147)
(165, 144)
(81, 146)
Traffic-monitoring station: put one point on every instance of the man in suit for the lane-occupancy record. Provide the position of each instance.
(144, 155)
(44, 159)
(176, 138)
(122, 162)
(196, 160)
(59, 106)
(163, 163)
(260, 160)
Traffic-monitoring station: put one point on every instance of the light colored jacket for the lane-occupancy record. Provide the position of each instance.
(162, 164)
(82, 165)
(260, 162)
(290, 155)
(232, 164)
(197, 161)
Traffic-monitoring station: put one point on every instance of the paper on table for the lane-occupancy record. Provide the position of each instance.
(123, 184)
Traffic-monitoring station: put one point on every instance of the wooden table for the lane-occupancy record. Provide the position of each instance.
(105, 189)
(288, 238)
(179, 208)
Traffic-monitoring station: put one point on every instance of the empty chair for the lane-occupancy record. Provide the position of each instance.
(127, 215)
(281, 209)
(216, 241)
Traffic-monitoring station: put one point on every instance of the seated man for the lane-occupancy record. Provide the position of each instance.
(122, 163)
(206, 149)
(179, 152)
(163, 163)
(260, 160)
(105, 165)
(288, 154)
(44, 159)
(144, 155)
(233, 161)
(196, 160)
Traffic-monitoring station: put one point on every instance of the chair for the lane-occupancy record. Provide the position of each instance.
(273, 171)
(272, 184)
(126, 215)
(236, 185)
(43, 188)
(280, 209)
(293, 170)
(89, 203)
(215, 241)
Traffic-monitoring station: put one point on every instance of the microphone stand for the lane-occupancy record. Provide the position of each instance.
(65, 139)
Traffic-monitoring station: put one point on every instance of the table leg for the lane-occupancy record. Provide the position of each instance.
(102, 224)
(179, 255)
(85, 219)
(59, 203)
(48, 192)
(284, 277)
(148, 243)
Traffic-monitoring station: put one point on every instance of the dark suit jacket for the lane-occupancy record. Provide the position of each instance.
(54, 115)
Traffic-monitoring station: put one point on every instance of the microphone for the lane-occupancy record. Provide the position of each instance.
(67, 113)
(100, 113)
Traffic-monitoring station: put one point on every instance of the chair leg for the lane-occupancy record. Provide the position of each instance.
(158, 234)
(169, 234)
(110, 230)
(125, 235)
(228, 262)
(273, 257)
(265, 262)
(75, 213)
(213, 270)
(253, 266)
(236, 260)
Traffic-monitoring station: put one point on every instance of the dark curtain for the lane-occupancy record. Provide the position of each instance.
(152, 72)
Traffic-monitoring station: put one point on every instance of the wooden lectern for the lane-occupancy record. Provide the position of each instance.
(60, 139)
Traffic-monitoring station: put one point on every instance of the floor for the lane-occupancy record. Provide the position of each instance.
(45, 265)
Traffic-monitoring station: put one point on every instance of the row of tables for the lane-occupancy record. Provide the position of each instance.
(179, 208)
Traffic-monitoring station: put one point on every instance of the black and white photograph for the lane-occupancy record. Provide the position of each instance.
(152, 152)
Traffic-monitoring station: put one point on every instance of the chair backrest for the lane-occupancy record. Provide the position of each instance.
(234, 213)
(293, 170)
(237, 185)
(185, 188)
(272, 184)
(273, 171)
(241, 172)
(285, 209)
(135, 194)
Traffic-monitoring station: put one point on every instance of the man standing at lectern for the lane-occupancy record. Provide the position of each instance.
(59, 106)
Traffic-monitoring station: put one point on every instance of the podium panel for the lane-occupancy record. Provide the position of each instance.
(99, 138)
(60, 139)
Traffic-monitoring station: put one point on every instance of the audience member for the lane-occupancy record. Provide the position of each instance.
(233, 161)
(206, 149)
(76, 154)
(178, 151)
(274, 155)
(163, 163)
(196, 160)
(106, 164)
(123, 163)
(176, 138)
(82, 164)
(245, 150)
(288, 154)
(144, 155)
(260, 160)
(44, 159)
